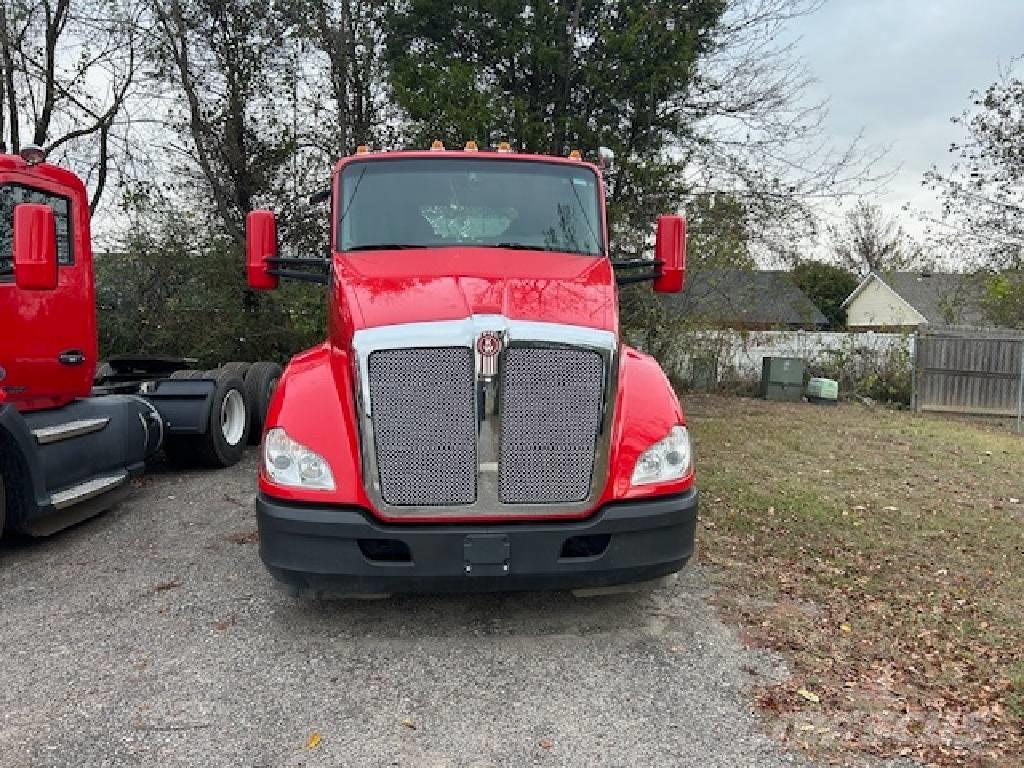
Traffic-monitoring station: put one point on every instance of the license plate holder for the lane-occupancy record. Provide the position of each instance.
(486, 554)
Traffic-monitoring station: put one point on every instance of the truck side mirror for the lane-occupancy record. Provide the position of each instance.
(670, 250)
(260, 245)
(35, 247)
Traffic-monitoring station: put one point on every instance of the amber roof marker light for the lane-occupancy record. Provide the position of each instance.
(575, 155)
(362, 149)
(471, 146)
(504, 147)
(437, 146)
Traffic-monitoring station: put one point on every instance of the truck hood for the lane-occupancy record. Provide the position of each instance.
(421, 285)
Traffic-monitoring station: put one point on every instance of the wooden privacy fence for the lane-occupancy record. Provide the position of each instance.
(978, 371)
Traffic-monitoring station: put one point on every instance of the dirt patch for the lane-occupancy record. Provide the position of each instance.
(249, 536)
(881, 553)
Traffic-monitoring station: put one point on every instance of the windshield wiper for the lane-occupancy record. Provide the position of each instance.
(520, 247)
(386, 247)
(524, 247)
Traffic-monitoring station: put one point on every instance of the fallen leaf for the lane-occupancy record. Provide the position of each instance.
(313, 741)
(163, 586)
(845, 627)
(813, 697)
(677, 648)
(409, 724)
(243, 537)
(546, 744)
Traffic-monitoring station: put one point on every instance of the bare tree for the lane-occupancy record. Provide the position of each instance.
(69, 67)
(351, 36)
(867, 241)
(756, 135)
(982, 193)
(227, 72)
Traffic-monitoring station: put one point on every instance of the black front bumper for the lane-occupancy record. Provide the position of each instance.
(345, 550)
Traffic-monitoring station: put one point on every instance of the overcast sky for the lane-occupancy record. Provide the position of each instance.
(899, 69)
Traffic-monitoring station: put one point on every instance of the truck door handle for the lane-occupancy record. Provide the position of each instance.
(71, 357)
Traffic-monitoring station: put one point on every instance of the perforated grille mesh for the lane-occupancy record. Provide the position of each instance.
(424, 424)
(551, 414)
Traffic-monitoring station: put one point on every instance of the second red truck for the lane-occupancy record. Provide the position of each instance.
(73, 433)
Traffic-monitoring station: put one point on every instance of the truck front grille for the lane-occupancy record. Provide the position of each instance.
(551, 403)
(447, 435)
(424, 424)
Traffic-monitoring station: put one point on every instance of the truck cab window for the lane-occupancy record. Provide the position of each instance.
(13, 194)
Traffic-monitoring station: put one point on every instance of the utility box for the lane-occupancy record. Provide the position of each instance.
(823, 391)
(782, 379)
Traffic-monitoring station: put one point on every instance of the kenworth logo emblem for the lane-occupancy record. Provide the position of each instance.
(488, 345)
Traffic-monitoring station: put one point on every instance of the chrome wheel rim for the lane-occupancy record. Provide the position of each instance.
(232, 417)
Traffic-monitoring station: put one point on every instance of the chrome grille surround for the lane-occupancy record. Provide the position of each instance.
(578, 348)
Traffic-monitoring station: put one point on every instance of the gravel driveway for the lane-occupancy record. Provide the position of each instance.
(152, 636)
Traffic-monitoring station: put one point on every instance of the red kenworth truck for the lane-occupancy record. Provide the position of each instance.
(474, 420)
(72, 437)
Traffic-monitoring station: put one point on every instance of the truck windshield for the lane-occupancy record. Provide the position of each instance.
(428, 203)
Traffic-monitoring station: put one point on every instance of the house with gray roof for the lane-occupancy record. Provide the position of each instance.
(905, 300)
(746, 299)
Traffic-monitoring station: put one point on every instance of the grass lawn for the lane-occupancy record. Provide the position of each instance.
(883, 554)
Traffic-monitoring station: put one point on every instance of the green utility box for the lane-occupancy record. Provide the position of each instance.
(782, 379)
(823, 391)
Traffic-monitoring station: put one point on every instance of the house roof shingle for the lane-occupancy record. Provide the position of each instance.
(943, 298)
(746, 298)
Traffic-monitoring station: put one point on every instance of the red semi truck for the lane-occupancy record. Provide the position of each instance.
(474, 420)
(71, 438)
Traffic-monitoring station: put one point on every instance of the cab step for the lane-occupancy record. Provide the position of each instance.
(68, 430)
(89, 489)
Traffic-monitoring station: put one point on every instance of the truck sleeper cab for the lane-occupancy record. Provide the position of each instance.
(473, 421)
(71, 441)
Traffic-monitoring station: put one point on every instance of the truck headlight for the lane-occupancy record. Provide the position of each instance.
(668, 459)
(289, 462)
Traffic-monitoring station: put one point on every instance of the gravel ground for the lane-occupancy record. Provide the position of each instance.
(152, 636)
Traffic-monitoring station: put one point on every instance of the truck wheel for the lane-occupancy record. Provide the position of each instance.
(227, 431)
(260, 382)
(236, 367)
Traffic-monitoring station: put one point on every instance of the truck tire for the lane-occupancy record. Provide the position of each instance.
(260, 382)
(236, 367)
(228, 429)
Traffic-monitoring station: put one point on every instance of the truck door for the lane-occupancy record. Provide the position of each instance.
(47, 338)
